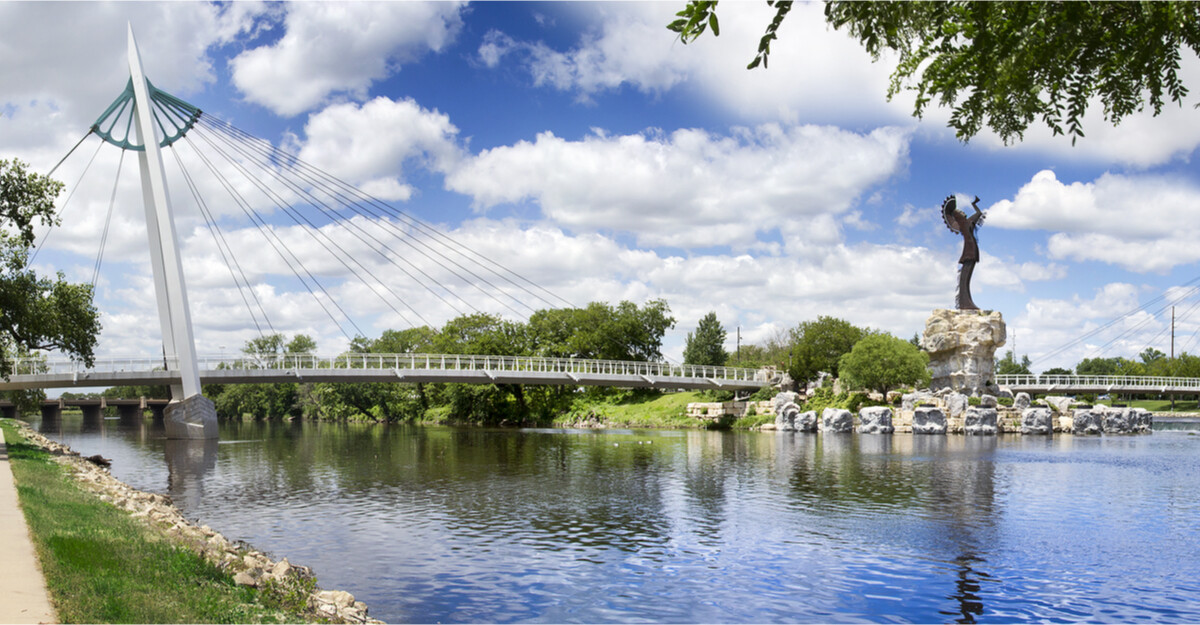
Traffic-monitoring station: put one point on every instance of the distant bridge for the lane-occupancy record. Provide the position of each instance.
(1098, 384)
(406, 368)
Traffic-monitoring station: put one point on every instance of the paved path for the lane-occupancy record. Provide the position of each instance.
(25, 597)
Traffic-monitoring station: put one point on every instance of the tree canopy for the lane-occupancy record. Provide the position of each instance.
(881, 362)
(37, 313)
(818, 346)
(1009, 365)
(1006, 65)
(707, 345)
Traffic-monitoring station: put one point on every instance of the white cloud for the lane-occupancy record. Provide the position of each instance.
(372, 143)
(690, 188)
(1130, 221)
(332, 48)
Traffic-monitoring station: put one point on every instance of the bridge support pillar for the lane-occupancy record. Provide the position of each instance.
(130, 414)
(93, 415)
(192, 417)
(158, 412)
(8, 412)
(51, 415)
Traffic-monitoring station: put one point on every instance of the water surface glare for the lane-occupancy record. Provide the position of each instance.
(578, 526)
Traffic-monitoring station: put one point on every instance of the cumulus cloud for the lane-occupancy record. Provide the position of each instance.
(341, 48)
(689, 188)
(371, 144)
(1126, 220)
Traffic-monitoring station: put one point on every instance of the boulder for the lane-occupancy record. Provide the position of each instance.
(1037, 421)
(980, 421)
(988, 401)
(1115, 420)
(785, 417)
(909, 401)
(929, 420)
(956, 404)
(875, 420)
(962, 348)
(1060, 404)
(1021, 401)
(1087, 421)
(1005, 393)
(837, 420)
(806, 421)
(1143, 421)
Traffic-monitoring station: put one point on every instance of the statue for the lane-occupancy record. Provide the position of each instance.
(959, 223)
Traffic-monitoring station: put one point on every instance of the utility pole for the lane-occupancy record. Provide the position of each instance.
(1172, 354)
(739, 345)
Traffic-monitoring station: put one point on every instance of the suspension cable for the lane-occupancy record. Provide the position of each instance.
(112, 201)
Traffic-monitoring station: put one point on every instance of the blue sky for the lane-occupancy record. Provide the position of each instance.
(585, 147)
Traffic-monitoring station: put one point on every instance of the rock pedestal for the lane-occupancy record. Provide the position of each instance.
(962, 346)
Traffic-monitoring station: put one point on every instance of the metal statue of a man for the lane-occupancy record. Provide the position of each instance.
(960, 223)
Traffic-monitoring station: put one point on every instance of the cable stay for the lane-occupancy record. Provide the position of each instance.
(112, 201)
(45, 239)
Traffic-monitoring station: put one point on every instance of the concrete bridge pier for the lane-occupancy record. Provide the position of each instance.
(130, 414)
(9, 412)
(51, 416)
(158, 412)
(93, 416)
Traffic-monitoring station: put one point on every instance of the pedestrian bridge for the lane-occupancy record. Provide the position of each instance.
(406, 368)
(1098, 384)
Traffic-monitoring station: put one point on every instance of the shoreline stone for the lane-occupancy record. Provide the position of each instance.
(248, 566)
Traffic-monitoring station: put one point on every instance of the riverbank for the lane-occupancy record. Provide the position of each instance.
(111, 553)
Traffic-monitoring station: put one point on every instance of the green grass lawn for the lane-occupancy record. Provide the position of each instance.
(1156, 405)
(103, 566)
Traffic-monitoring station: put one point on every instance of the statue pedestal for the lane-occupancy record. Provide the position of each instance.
(962, 349)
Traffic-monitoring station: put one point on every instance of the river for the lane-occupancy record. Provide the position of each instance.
(430, 524)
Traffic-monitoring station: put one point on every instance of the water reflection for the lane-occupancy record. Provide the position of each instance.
(188, 463)
(474, 525)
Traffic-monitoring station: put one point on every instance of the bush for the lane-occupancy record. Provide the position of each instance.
(765, 393)
(973, 401)
(1005, 401)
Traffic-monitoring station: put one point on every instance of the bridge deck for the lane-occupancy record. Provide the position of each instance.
(1099, 384)
(405, 368)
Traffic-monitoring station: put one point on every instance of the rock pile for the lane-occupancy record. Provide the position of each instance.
(248, 566)
(961, 346)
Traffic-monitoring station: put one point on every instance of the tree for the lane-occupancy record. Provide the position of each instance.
(1057, 371)
(36, 313)
(707, 345)
(818, 346)
(1151, 355)
(1007, 64)
(882, 362)
(1009, 365)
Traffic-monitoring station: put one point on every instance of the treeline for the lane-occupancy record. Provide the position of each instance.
(1151, 362)
(599, 331)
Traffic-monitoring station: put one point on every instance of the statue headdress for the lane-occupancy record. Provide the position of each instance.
(949, 208)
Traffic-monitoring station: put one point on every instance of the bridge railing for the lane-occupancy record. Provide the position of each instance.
(1122, 382)
(444, 362)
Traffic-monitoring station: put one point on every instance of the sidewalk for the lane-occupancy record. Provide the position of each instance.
(25, 596)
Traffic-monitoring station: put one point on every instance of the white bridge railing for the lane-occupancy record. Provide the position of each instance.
(1107, 382)
(444, 362)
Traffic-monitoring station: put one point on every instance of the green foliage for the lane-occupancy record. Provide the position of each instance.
(1006, 65)
(819, 345)
(1005, 401)
(974, 401)
(707, 345)
(259, 401)
(103, 566)
(881, 362)
(36, 313)
(1009, 365)
(1057, 371)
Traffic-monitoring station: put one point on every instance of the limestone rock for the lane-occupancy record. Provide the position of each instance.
(894, 396)
(1143, 421)
(244, 578)
(1116, 420)
(988, 401)
(785, 417)
(876, 420)
(980, 421)
(1060, 404)
(929, 420)
(1005, 393)
(339, 598)
(837, 420)
(806, 421)
(909, 401)
(1036, 421)
(962, 346)
(1021, 401)
(956, 404)
(1087, 421)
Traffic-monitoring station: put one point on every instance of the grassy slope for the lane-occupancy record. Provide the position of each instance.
(1158, 405)
(102, 566)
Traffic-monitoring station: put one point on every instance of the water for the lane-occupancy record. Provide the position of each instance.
(473, 525)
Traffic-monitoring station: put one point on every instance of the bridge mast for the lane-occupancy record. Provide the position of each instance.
(190, 414)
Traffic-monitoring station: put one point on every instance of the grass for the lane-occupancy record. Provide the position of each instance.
(103, 566)
(1156, 405)
(667, 410)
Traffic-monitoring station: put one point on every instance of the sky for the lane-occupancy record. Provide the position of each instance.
(584, 147)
